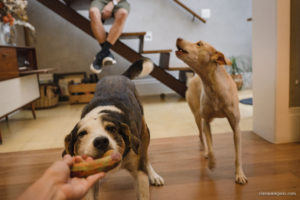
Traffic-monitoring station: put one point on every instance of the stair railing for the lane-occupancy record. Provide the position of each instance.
(195, 15)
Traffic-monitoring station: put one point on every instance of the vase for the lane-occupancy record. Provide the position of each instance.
(8, 34)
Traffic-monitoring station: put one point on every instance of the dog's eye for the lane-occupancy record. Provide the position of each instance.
(199, 44)
(82, 133)
(111, 129)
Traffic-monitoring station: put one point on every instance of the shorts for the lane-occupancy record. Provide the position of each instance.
(101, 3)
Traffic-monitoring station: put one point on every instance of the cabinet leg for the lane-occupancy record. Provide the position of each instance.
(33, 110)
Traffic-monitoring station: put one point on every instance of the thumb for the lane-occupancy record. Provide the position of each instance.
(94, 178)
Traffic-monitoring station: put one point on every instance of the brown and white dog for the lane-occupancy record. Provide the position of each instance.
(211, 94)
(114, 120)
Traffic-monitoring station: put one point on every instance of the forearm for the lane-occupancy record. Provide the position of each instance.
(44, 189)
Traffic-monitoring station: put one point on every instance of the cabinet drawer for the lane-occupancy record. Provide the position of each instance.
(8, 63)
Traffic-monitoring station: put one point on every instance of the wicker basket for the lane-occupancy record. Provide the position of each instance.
(49, 96)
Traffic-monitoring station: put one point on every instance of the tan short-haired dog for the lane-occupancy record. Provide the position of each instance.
(212, 94)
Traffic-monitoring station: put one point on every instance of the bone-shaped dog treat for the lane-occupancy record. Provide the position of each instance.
(104, 164)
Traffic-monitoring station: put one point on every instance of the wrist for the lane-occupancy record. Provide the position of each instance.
(48, 187)
(53, 190)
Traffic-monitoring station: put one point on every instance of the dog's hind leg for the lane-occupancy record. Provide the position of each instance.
(210, 153)
(239, 173)
(198, 120)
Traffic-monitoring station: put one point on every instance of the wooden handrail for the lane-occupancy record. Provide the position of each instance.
(190, 11)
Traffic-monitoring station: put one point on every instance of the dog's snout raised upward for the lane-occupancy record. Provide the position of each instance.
(101, 143)
(179, 39)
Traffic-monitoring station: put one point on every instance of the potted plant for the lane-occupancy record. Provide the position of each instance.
(236, 74)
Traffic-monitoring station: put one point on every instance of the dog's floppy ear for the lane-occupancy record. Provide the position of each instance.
(132, 141)
(219, 58)
(70, 140)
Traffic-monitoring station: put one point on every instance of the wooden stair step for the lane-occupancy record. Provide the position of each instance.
(164, 57)
(187, 69)
(157, 51)
(119, 47)
(132, 35)
(135, 35)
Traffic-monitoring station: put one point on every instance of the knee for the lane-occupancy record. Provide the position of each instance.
(94, 13)
(121, 14)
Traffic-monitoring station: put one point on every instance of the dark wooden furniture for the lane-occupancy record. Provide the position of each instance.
(15, 60)
(18, 91)
(8, 63)
(269, 168)
(294, 96)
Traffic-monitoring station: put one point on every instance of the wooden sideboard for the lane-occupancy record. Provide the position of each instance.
(17, 90)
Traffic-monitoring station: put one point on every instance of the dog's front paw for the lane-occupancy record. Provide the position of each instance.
(240, 178)
(156, 180)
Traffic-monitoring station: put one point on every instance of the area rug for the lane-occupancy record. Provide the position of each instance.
(247, 101)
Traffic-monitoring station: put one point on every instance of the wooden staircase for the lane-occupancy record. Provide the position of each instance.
(159, 72)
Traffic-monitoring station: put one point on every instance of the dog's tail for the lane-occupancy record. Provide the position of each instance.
(139, 69)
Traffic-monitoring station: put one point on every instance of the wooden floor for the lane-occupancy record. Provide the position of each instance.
(269, 167)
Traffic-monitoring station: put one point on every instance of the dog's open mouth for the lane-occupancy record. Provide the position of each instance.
(180, 50)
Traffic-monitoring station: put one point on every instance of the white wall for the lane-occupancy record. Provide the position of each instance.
(61, 45)
(272, 117)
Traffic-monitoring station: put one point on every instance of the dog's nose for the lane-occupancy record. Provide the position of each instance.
(179, 39)
(101, 143)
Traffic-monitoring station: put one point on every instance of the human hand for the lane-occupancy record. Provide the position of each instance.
(70, 188)
(56, 183)
(107, 11)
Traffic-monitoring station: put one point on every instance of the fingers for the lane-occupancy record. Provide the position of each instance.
(89, 159)
(78, 159)
(93, 178)
(68, 159)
